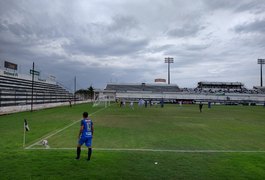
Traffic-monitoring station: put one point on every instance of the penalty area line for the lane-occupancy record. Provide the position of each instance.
(60, 130)
(160, 150)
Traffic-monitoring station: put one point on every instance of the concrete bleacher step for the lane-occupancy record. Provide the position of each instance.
(15, 91)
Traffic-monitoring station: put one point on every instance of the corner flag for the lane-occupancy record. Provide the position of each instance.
(26, 126)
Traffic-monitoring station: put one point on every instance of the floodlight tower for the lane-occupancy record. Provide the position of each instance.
(169, 60)
(261, 62)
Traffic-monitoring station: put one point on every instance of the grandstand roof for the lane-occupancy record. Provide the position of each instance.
(146, 84)
(143, 87)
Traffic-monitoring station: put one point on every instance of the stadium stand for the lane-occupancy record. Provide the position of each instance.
(216, 92)
(143, 87)
(221, 86)
(259, 89)
(18, 91)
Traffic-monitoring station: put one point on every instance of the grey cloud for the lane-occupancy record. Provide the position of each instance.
(250, 44)
(112, 39)
(186, 30)
(110, 47)
(244, 5)
(253, 6)
(117, 38)
(223, 4)
(197, 47)
(253, 27)
(29, 33)
(123, 23)
(156, 49)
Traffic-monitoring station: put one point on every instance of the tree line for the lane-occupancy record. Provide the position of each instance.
(85, 93)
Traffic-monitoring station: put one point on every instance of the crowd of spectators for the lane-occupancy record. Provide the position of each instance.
(222, 91)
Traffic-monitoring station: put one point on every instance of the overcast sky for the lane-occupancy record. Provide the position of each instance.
(126, 41)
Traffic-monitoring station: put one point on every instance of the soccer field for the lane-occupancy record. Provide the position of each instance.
(224, 142)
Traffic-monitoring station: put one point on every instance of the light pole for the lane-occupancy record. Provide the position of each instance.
(32, 86)
(261, 62)
(169, 60)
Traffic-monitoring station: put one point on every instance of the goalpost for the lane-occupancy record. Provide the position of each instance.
(102, 101)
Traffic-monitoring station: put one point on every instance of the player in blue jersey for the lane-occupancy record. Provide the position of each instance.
(85, 135)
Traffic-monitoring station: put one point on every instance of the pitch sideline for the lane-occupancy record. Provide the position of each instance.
(160, 150)
(60, 130)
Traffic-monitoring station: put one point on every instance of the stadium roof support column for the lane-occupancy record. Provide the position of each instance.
(169, 60)
(261, 62)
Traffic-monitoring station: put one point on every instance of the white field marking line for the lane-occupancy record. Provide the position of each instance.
(60, 130)
(161, 150)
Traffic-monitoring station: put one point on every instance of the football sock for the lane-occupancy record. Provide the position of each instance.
(89, 153)
(78, 152)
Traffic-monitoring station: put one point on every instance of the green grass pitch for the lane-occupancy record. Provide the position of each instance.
(224, 142)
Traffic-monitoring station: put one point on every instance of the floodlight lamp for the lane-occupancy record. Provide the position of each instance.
(169, 60)
(261, 61)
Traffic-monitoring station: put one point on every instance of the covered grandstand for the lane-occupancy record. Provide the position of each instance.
(16, 90)
(216, 92)
(259, 89)
(221, 85)
(143, 87)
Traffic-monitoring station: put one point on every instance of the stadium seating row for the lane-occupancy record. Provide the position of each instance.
(17, 91)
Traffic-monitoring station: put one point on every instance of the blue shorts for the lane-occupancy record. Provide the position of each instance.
(86, 140)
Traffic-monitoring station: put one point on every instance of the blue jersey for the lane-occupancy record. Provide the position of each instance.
(87, 128)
